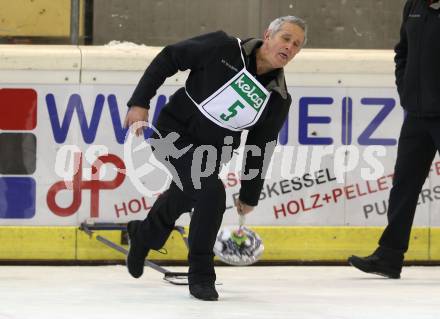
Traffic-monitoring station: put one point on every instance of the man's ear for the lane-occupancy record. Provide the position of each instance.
(266, 35)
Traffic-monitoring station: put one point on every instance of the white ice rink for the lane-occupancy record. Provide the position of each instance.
(251, 292)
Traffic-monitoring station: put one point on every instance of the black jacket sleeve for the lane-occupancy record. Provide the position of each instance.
(401, 49)
(264, 136)
(180, 56)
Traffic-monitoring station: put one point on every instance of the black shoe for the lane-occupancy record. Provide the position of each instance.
(137, 252)
(374, 264)
(203, 291)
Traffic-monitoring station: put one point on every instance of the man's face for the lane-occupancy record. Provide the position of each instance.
(283, 45)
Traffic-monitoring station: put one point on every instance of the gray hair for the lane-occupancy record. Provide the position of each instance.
(276, 25)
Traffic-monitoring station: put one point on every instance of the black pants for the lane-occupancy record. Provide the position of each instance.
(418, 142)
(209, 204)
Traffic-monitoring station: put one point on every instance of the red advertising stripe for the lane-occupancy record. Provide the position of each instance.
(18, 109)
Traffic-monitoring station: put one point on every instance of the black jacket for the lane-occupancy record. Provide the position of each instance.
(418, 59)
(213, 59)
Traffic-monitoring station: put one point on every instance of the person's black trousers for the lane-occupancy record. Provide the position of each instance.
(419, 139)
(209, 204)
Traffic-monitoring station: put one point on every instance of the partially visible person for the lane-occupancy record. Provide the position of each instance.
(418, 83)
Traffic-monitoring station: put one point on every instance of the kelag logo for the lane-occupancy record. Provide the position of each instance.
(18, 116)
(249, 91)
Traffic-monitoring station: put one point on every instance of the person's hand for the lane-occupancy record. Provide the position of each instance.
(136, 114)
(242, 208)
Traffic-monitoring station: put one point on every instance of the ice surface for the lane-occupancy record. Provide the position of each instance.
(108, 292)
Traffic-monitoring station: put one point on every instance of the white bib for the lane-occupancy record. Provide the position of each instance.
(238, 104)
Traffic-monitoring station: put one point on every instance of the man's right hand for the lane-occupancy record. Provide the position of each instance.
(136, 114)
(242, 208)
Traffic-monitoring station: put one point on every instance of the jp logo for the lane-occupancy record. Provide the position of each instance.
(155, 170)
(77, 184)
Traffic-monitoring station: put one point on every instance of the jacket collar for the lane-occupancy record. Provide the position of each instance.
(279, 83)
